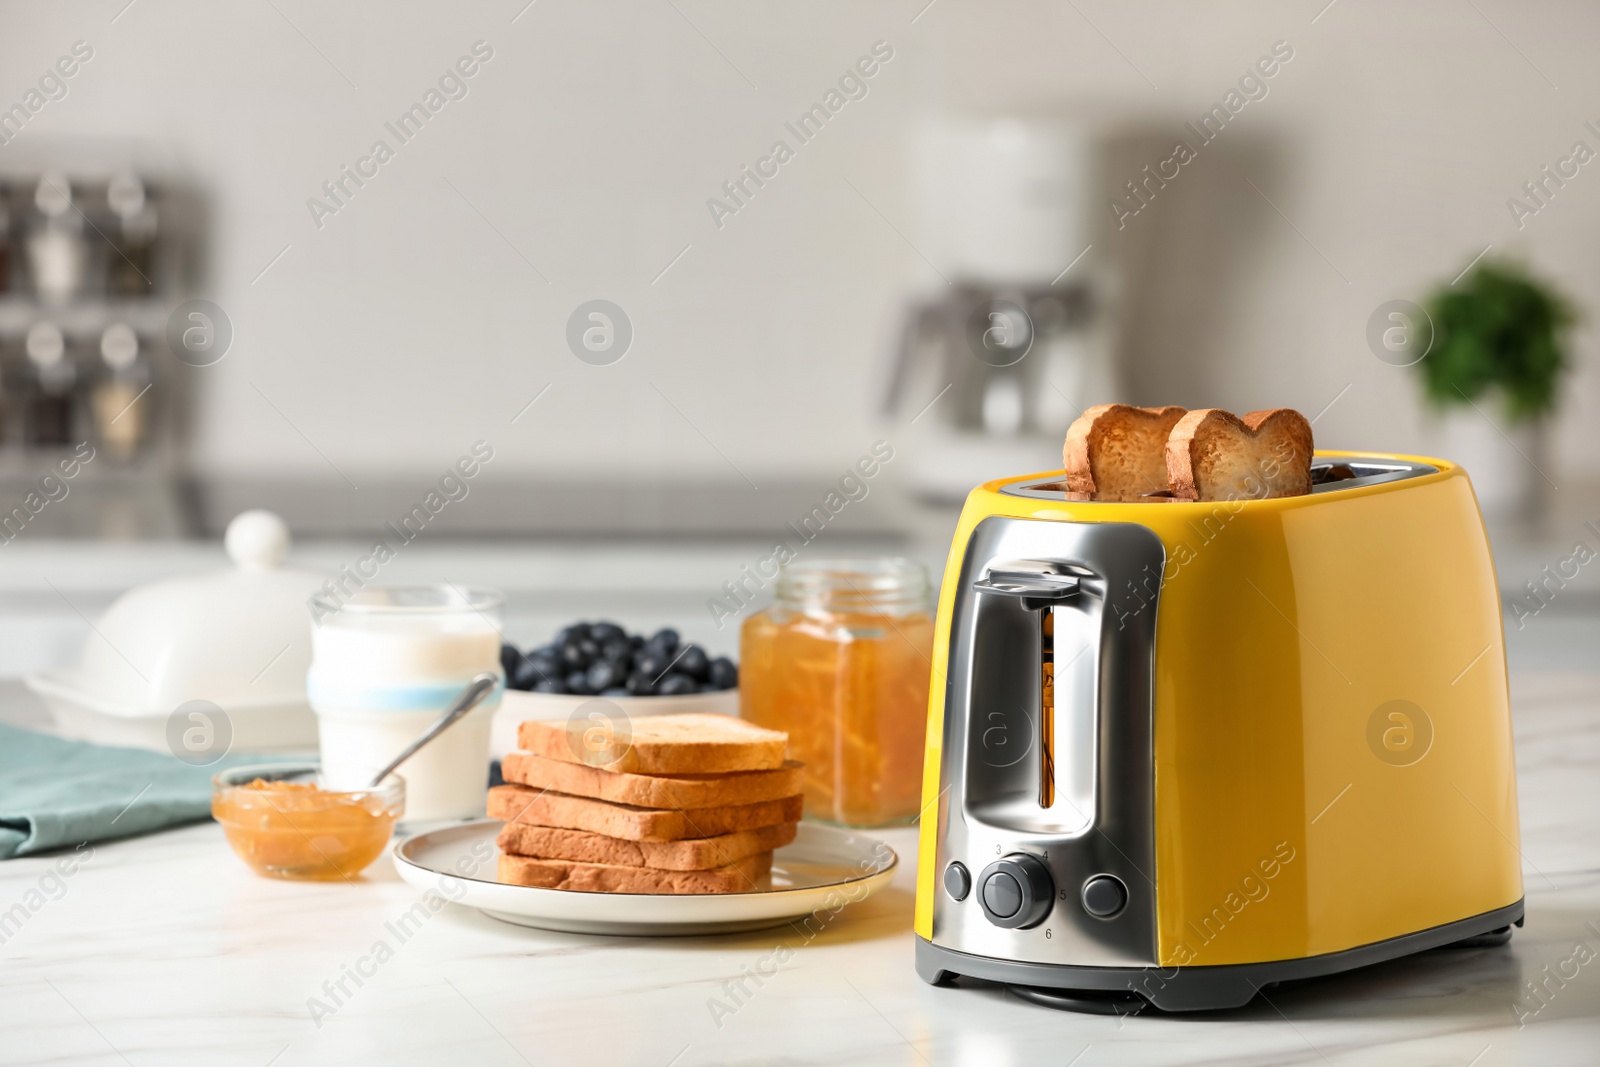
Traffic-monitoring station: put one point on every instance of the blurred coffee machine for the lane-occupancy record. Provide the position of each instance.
(992, 367)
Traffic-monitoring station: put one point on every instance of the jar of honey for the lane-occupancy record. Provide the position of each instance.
(841, 662)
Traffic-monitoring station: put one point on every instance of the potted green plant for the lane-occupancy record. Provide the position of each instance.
(1494, 372)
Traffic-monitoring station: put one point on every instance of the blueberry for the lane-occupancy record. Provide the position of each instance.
(651, 663)
(665, 640)
(508, 658)
(570, 633)
(606, 631)
(578, 682)
(605, 674)
(639, 684)
(636, 641)
(549, 685)
(616, 649)
(528, 672)
(673, 684)
(723, 674)
(573, 656)
(693, 661)
(615, 692)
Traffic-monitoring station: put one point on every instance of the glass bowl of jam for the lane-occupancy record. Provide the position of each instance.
(281, 820)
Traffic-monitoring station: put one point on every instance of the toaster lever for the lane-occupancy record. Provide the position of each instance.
(1036, 589)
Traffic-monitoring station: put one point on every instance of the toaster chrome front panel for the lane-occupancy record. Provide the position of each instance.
(1067, 778)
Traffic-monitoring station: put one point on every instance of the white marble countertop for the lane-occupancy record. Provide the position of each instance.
(166, 950)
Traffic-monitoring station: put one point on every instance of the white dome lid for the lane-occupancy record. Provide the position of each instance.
(238, 637)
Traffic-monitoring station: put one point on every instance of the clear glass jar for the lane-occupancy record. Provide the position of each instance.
(841, 662)
(119, 420)
(385, 662)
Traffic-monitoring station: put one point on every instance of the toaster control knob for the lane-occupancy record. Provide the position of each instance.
(1016, 892)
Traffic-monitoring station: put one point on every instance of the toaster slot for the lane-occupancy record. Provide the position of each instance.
(1075, 666)
(1047, 708)
(1034, 754)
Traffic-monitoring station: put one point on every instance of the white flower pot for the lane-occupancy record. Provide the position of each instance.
(1507, 461)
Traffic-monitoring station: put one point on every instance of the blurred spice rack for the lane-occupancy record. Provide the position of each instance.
(92, 262)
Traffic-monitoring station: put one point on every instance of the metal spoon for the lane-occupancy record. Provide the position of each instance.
(465, 701)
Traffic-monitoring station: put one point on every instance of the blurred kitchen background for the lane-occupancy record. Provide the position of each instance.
(937, 261)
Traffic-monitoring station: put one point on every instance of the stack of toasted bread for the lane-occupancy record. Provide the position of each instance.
(691, 803)
(1119, 452)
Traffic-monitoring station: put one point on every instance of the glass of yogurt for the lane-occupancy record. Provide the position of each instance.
(385, 662)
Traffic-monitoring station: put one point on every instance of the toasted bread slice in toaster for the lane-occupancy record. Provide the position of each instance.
(1117, 451)
(1214, 455)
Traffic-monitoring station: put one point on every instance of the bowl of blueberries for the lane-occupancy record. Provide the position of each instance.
(642, 675)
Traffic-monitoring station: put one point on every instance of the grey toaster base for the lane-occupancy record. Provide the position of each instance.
(1202, 988)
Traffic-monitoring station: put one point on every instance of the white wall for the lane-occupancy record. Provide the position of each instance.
(406, 326)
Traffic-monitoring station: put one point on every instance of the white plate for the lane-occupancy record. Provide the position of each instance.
(518, 706)
(822, 867)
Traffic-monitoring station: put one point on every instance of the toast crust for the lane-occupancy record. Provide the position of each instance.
(652, 791)
(742, 876)
(698, 854)
(515, 803)
(1214, 455)
(689, 743)
(1118, 452)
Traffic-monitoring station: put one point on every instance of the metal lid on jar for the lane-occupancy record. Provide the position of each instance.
(45, 344)
(125, 194)
(119, 345)
(53, 196)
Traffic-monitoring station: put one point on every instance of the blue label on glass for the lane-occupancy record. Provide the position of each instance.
(411, 696)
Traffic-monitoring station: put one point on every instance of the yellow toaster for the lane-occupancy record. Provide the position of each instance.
(1179, 751)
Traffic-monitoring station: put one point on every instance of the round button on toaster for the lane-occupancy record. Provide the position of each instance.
(1016, 892)
(1002, 896)
(1104, 895)
(957, 882)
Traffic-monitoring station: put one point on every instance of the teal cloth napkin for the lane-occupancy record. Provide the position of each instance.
(56, 793)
